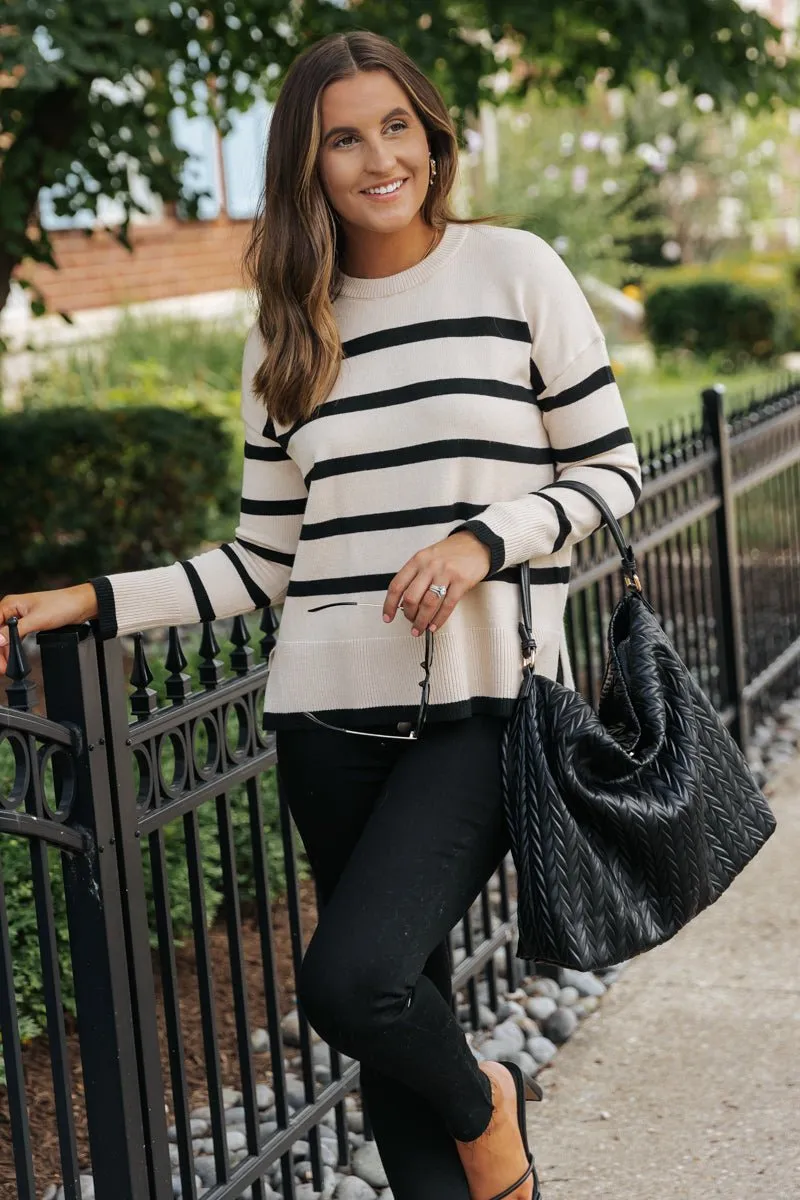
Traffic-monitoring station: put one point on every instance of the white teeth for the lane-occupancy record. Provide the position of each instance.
(384, 191)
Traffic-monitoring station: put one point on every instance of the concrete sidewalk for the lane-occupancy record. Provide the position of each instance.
(685, 1084)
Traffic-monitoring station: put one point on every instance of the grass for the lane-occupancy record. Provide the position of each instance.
(654, 398)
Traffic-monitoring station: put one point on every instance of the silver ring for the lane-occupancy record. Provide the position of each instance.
(439, 589)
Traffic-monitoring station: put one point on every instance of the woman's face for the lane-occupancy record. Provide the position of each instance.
(372, 138)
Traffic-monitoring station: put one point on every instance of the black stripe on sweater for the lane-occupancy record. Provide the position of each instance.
(609, 441)
(204, 607)
(565, 483)
(539, 575)
(491, 540)
(425, 331)
(379, 583)
(430, 452)
(537, 383)
(632, 484)
(579, 391)
(423, 390)
(265, 453)
(106, 606)
(564, 523)
(272, 508)
(276, 556)
(260, 598)
(399, 519)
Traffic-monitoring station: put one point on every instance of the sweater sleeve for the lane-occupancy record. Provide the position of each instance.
(586, 425)
(250, 572)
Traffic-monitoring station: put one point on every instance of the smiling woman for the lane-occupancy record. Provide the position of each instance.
(362, 158)
(376, 173)
(423, 400)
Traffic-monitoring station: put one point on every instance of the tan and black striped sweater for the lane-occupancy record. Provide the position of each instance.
(474, 387)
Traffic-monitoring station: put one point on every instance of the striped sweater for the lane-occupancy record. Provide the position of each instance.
(473, 388)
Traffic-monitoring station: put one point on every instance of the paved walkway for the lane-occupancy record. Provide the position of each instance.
(685, 1084)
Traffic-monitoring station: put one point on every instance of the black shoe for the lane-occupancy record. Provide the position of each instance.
(527, 1089)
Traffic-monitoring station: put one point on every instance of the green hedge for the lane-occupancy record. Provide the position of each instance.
(94, 491)
(715, 315)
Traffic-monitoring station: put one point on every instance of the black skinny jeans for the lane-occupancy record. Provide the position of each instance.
(401, 837)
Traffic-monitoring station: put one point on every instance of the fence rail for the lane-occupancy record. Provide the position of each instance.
(162, 815)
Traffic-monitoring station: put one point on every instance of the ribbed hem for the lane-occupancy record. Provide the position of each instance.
(376, 680)
(106, 607)
(453, 238)
(493, 543)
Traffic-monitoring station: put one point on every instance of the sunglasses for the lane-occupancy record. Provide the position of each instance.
(415, 730)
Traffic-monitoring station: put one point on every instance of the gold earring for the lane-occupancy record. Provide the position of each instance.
(433, 171)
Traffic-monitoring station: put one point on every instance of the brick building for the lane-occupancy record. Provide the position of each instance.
(172, 257)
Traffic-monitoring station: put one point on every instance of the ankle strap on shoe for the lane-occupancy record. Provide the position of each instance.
(510, 1190)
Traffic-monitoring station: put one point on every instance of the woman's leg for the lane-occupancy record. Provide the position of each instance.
(331, 783)
(434, 837)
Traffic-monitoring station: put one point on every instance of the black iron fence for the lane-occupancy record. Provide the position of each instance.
(147, 813)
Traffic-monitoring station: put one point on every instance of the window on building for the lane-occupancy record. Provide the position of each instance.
(243, 153)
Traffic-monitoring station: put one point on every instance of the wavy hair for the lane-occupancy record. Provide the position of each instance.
(292, 259)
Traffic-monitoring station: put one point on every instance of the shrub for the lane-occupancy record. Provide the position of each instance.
(154, 357)
(99, 491)
(717, 315)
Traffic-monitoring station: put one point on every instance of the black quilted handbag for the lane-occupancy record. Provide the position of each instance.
(626, 822)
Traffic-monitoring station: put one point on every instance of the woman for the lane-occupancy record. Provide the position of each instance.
(418, 394)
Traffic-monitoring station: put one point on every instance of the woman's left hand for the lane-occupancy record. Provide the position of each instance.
(458, 562)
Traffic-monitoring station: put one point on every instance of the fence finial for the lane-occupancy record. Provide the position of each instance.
(212, 669)
(144, 700)
(21, 694)
(178, 684)
(242, 656)
(269, 623)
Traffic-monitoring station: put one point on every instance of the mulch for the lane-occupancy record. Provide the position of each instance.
(36, 1057)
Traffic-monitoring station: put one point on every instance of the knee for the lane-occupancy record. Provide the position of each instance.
(344, 1000)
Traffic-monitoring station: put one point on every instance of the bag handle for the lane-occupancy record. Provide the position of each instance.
(629, 571)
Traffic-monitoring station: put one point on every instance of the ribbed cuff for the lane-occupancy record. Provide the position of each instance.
(106, 607)
(494, 544)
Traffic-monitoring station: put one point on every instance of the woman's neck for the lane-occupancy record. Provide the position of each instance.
(369, 255)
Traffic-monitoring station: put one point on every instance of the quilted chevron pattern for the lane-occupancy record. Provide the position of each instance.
(626, 822)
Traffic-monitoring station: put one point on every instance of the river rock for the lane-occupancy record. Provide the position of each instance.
(87, 1189)
(541, 985)
(368, 1166)
(354, 1188)
(509, 1034)
(541, 1049)
(560, 1026)
(540, 1007)
(259, 1040)
(585, 982)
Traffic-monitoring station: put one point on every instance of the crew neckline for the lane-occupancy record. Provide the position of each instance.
(388, 285)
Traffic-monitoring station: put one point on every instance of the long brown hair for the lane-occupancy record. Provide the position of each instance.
(292, 258)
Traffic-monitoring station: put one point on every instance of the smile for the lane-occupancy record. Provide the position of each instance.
(386, 190)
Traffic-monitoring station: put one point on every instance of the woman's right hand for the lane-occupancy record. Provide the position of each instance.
(45, 610)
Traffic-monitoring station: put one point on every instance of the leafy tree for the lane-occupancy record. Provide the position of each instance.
(87, 87)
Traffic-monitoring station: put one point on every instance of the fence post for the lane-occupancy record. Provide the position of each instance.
(114, 692)
(725, 567)
(94, 905)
